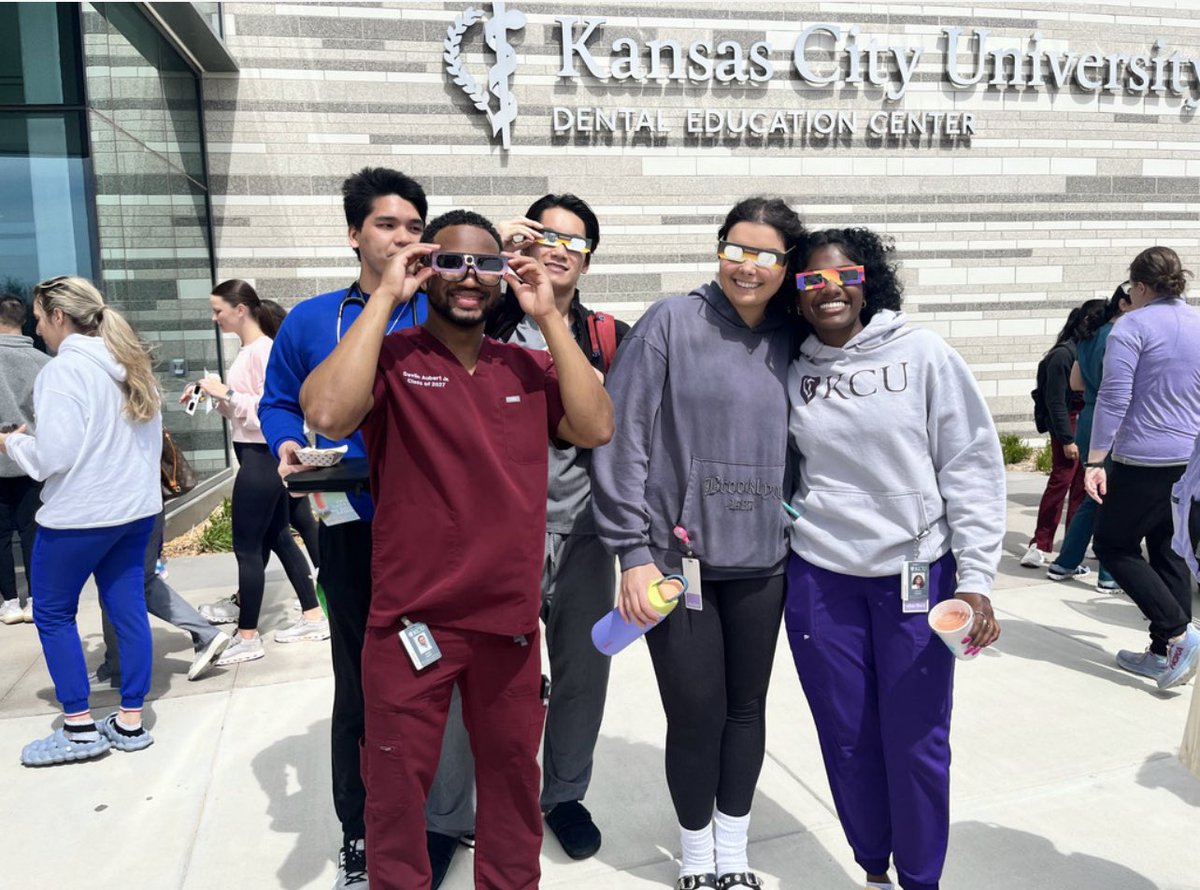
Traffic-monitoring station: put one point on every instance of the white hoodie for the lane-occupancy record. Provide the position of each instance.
(896, 443)
(100, 468)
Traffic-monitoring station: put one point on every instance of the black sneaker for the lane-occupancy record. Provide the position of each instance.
(573, 826)
(352, 865)
(442, 848)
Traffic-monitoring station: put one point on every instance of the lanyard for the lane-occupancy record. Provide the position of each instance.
(355, 295)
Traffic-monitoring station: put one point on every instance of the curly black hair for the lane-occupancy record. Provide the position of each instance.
(883, 289)
(459, 218)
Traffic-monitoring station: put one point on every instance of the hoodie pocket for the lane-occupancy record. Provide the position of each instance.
(733, 515)
(849, 526)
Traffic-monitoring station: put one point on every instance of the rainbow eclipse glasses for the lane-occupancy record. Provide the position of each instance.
(737, 253)
(453, 266)
(842, 276)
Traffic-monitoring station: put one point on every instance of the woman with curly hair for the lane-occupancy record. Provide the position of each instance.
(696, 471)
(900, 475)
(1148, 415)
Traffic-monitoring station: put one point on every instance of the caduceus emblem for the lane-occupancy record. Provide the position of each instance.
(495, 32)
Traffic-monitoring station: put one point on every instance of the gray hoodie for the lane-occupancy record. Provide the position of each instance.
(896, 444)
(19, 366)
(701, 440)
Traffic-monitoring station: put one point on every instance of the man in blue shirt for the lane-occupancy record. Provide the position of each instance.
(385, 212)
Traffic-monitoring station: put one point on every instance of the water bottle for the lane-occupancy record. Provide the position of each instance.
(612, 633)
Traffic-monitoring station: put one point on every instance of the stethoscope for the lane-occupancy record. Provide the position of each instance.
(354, 295)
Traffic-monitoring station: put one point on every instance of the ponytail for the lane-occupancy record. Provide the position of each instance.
(236, 292)
(83, 304)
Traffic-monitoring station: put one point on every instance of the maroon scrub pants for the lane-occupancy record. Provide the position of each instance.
(500, 681)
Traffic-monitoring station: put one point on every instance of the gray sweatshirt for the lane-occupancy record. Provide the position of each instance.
(896, 444)
(701, 440)
(19, 365)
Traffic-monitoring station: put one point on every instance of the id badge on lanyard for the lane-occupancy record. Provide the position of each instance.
(914, 580)
(692, 599)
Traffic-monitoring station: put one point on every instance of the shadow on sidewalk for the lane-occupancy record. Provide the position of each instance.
(1010, 858)
(1164, 770)
(294, 774)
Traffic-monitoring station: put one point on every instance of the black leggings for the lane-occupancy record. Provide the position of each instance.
(1136, 507)
(300, 516)
(713, 669)
(260, 525)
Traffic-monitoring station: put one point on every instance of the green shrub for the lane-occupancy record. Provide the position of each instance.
(1045, 459)
(1014, 449)
(217, 534)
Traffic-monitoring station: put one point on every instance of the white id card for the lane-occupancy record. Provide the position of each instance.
(419, 644)
(914, 586)
(692, 599)
(333, 507)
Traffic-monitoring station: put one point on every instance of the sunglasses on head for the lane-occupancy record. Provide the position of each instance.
(739, 253)
(489, 268)
(841, 276)
(573, 243)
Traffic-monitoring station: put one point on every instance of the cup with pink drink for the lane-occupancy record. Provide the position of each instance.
(951, 620)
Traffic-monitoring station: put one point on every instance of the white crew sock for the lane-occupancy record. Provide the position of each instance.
(697, 856)
(873, 885)
(731, 834)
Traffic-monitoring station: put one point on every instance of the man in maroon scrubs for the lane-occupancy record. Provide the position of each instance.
(456, 426)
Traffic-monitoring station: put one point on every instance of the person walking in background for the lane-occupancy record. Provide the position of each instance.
(20, 363)
(260, 502)
(578, 574)
(97, 449)
(695, 472)
(1148, 416)
(901, 480)
(164, 603)
(1086, 375)
(1057, 414)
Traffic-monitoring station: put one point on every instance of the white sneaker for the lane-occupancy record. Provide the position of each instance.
(242, 649)
(222, 611)
(303, 629)
(11, 613)
(27, 612)
(207, 656)
(1033, 558)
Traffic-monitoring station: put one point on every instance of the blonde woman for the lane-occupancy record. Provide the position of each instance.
(97, 448)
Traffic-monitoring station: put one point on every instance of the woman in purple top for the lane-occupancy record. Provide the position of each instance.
(1148, 415)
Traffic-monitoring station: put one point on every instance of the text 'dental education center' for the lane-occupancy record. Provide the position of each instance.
(1021, 154)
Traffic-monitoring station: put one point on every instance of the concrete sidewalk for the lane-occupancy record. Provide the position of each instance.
(1065, 774)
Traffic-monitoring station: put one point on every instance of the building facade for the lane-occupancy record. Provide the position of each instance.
(1020, 154)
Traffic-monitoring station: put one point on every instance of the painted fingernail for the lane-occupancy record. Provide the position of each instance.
(965, 640)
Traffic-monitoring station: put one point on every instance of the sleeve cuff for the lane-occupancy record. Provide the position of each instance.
(975, 581)
(638, 556)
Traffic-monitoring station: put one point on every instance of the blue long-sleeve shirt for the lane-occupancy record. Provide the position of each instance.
(308, 335)
(1148, 411)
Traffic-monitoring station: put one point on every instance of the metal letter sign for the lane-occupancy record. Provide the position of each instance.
(496, 34)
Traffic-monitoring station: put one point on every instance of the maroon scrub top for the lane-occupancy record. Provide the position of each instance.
(458, 474)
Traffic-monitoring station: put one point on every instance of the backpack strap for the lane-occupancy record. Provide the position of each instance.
(602, 334)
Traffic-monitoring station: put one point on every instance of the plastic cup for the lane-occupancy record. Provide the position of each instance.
(951, 620)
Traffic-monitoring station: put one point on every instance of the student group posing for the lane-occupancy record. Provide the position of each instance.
(780, 437)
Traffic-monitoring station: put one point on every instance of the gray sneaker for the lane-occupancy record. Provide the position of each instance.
(303, 629)
(223, 611)
(1147, 664)
(208, 656)
(1183, 658)
(10, 612)
(352, 866)
(242, 649)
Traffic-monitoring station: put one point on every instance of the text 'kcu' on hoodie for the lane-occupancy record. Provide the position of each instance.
(899, 458)
(701, 440)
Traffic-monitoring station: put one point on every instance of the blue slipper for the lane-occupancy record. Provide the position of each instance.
(121, 741)
(57, 748)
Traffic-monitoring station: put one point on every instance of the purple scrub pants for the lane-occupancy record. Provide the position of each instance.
(880, 684)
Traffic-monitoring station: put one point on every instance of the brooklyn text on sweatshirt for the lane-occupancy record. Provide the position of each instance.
(899, 458)
(701, 439)
(1148, 411)
(100, 468)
